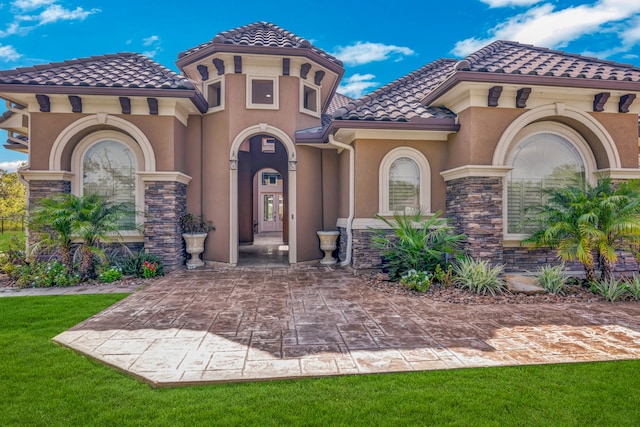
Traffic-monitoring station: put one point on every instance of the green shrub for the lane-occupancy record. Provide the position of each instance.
(417, 243)
(133, 264)
(416, 280)
(38, 274)
(552, 279)
(111, 274)
(633, 287)
(445, 278)
(478, 276)
(611, 289)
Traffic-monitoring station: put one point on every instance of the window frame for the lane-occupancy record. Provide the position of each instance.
(383, 178)
(563, 131)
(276, 92)
(220, 107)
(303, 85)
(77, 165)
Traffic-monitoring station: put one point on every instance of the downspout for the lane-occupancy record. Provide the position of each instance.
(352, 203)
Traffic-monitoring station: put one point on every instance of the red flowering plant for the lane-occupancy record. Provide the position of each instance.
(149, 269)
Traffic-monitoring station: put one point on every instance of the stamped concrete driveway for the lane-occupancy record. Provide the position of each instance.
(215, 325)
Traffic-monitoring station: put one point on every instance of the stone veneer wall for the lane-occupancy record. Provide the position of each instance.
(165, 203)
(474, 208)
(39, 190)
(363, 255)
(519, 259)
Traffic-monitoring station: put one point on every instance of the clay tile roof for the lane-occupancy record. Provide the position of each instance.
(121, 70)
(517, 58)
(260, 34)
(338, 101)
(399, 100)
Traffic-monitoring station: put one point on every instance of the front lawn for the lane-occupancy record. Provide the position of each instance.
(44, 384)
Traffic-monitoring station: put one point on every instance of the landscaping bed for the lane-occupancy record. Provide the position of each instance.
(576, 292)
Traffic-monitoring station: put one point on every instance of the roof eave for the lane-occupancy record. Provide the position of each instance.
(526, 79)
(429, 124)
(195, 97)
(257, 50)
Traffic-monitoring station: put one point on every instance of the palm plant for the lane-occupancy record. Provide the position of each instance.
(53, 218)
(97, 220)
(565, 224)
(617, 224)
(416, 244)
(583, 219)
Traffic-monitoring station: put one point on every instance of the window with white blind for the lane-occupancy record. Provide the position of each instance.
(404, 182)
(540, 161)
(109, 169)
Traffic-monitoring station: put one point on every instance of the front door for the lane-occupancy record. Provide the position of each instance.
(271, 212)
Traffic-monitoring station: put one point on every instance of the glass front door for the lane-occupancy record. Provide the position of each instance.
(271, 212)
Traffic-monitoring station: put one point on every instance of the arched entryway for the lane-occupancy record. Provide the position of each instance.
(257, 151)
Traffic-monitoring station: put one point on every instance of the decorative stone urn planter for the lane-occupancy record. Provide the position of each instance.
(328, 240)
(195, 246)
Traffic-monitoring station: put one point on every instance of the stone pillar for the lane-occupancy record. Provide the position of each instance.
(43, 184)
(165, 202)
(474, 208)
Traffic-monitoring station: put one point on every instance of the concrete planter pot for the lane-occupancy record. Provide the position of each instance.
(195, 246)
(328, 243)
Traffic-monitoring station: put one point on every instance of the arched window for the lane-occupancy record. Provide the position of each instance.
(541, 160)
(106, 163)
(109, 169)
(404, 182)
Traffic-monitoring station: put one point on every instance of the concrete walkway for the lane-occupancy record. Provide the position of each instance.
(215, 325)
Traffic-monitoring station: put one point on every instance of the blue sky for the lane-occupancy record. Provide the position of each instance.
(378, 41)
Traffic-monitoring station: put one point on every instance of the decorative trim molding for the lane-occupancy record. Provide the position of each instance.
(476, 171)
(204, 72)
(522, 95)
(625, 102)
(304, 70)
(125, 104)
(318, 77)
(618, 173)
(165, 177)
(494, 96)
(369, 223)
(43, 101)
(153, 106)
(30, 175)
(424, 169)
(219, 64)
(599, 100)
(76, 103)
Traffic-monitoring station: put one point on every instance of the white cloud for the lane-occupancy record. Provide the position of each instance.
(9, 53)
(546, 26)
(55, 13)
(11, 166)
(365, 52)
(153, 43)
(14, 28)
(148, 41)
(27, 5)
(505, 3)
(357, 85)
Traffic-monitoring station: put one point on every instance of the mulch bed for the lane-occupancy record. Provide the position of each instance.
(576, 293)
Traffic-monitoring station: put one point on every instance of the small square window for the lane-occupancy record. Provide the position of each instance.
(262, 91)
(310, 99)
(214, 94)
(268, 145)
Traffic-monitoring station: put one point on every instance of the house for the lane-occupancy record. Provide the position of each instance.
(253, 135)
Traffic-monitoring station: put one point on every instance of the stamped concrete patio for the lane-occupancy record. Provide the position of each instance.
(218, 325)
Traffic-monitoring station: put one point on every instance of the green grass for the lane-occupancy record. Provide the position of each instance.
(43, 384)
(6, 236)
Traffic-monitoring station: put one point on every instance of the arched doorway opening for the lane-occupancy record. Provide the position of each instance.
(263, 186)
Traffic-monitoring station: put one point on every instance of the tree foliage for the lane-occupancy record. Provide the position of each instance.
(12, 197)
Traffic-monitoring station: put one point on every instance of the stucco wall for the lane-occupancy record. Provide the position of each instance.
(369, 155)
